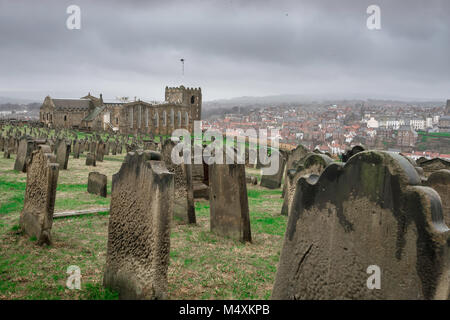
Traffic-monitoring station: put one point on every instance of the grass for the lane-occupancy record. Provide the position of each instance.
(202, 264)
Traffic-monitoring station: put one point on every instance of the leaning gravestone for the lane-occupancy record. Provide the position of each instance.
(139, 228)
(184, 208)
(229, 213)
(62, 154)
(36, 217)
(97, 183)
(440, 181)
(369, 214)
(26, 147)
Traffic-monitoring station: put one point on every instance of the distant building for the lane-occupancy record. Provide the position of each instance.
(406, 136)
(179, 110)
(444, 121)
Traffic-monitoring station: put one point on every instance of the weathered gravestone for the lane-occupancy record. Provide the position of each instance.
(229, 213)
(370, 212)
(433, 165)
(184, 208)
(90, 159)
(26, 147)
(97, 183)
(313, 164)
(440, 181)
(273, 181)
(139, 228)
(62, 154)
(296, 155)
(100, 151)
(350, 153)
(36, 217)
(76, 150)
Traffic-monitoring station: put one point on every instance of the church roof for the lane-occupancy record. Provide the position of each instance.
(71, 103)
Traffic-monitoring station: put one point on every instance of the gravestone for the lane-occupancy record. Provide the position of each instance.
(97, 183)
(273, 181)
(296, 155)
(90, 159)
(139, 228)
(184, 208)
(26, 147)
(100, 151)
(440, 181)
(76, 150)
(313, 164)
(62, 154)
(36, 217)
(372, 211)
(229, 213)
(433, 165)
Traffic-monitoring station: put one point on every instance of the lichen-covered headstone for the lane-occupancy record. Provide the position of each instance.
(365, 230)
(139, 228)
(36, 217)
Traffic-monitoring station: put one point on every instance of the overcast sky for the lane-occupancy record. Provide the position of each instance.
(231, 48)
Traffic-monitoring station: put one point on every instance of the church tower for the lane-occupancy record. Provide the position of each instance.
(191, 97)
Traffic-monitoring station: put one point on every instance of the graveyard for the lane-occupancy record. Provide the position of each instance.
(202, 265)
(138, 225)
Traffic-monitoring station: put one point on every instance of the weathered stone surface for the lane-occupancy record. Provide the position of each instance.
(139, 228)
(350, 153)
(273, 181)
(62, 154)
(99, 155)
(372, 211)
(36, 217)
(76, 150)
(184, 208)
(433, 165)
(97, 183)
(313, 164)
(296, 155)
(440, 181)
(90, 159)
(229, 213)
(26, 147)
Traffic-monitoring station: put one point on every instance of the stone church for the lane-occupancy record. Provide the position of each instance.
(179, 110)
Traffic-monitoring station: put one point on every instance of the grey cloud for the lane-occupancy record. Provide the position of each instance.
(231, 48)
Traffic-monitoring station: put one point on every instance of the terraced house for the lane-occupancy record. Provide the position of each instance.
(179, 110)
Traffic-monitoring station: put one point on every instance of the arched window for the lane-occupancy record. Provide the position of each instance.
(164, 118)
(156, 120)
(179, 119)
(186, 119)
(172, 118)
